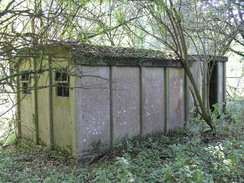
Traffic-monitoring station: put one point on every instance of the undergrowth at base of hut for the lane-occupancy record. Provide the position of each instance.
(193, 154)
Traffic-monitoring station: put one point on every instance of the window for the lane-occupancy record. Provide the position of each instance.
(26, 82)
(62, 84)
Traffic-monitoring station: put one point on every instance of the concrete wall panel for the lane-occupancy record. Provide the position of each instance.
(153, 100)
(126, 102)
(27, 105)
(92, 110)
(43, 113)
(196, 71)
(63, 112)
(62, 123)
(27, 114)
(220, 86)
(176, 98)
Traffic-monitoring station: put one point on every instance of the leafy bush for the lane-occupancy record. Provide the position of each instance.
(191, 154)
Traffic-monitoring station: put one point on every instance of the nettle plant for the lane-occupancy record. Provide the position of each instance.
(217, 116)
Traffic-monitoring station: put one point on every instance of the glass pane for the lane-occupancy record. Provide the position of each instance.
(25, 77)
(25, 88)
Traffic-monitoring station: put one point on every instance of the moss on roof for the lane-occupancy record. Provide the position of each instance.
(88, 54)
(80, 49)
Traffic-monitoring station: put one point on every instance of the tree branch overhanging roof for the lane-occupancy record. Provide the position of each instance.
(88, 54)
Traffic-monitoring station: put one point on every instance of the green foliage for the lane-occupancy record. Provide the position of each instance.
(7, 132)
(235, 108)
(192, 154)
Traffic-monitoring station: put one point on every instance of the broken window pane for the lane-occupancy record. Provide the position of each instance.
(26, 82)
(62, 84)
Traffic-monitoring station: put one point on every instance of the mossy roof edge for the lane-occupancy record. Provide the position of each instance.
(80, 49)
(88, 54)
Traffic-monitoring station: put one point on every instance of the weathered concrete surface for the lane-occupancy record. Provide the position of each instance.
(176, 98)
(27, 121)
(126, 102)
(43, 106)
(26, 106)
(220, 84)
(92, 110)
(62, 123)
(153, 100)
(134, 96)
(196, 72)
(63, 110)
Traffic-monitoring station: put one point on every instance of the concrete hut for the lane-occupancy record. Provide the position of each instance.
(84, 99)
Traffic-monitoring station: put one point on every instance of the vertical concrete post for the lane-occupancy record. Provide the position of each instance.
(186, 96)
(217, 65)
(35, 101)
(166, 99)
(18, 105)
(204, 82)
(224, 86)
(50, 102)
(141, 99)
(220, 83)
(111, 106)
(74, 123)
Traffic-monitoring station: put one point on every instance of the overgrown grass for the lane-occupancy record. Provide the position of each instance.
(188, 155)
